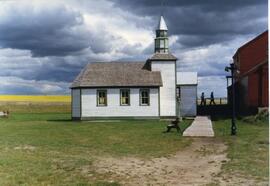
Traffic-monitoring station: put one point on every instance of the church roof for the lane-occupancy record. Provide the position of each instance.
(163, 57)
(117, 74)
(162, 24)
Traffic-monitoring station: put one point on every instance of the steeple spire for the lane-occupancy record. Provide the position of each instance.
(162, 40)
(162, 24)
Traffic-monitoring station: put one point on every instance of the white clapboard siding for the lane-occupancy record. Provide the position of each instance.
(187, 78)
(76, 102)
(113, 108)
(188, 100)
(168, 90)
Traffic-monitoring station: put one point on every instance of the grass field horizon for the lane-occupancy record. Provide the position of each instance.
(35, 104)
(35, 98)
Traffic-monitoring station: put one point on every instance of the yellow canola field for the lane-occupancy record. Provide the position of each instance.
(36, 98)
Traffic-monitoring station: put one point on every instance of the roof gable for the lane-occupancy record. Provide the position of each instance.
(265, 33)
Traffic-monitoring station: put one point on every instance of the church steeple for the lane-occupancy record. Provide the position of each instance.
(162, 40)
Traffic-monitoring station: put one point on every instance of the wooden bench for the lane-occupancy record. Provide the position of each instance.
(173, 125)
(4, 114)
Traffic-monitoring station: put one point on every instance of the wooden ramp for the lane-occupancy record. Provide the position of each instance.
(200, 127)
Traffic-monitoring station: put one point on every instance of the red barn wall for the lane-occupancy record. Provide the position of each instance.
(253, 90)
(251, 61)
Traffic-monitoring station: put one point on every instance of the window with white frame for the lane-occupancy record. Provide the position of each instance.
(101, 97)
(124, 97)
(144, 97)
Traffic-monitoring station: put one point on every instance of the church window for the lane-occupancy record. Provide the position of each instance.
(101, 98)
(162, 43)
(166, 43)
(144, 97)
(124, 97)
(178, 92)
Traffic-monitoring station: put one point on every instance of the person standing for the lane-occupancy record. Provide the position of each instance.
(203, 102)
(212, 99)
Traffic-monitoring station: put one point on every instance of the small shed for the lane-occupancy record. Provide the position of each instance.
(187, 93)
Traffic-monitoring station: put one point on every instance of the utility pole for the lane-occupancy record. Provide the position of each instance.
(232, 68)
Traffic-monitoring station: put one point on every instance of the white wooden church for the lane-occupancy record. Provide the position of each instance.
(149, 89)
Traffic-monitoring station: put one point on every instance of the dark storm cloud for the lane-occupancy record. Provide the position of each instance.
(55, 31)
(58, 70)
(44, 32)
(54, 73)
(221, 5)
(201, 23)
(51, 68)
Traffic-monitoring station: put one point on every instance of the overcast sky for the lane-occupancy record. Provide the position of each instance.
(45, 44)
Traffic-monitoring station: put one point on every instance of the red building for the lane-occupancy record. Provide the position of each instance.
(251, 61)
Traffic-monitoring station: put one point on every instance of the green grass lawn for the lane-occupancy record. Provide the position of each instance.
(249, 150)
(43, 147)
(48, 148)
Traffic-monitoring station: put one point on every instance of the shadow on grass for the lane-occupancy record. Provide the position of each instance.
(128, 121)
(213, 110)
(220, 117)
(61, 120)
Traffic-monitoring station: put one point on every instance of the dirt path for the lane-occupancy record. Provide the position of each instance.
(195, 165)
